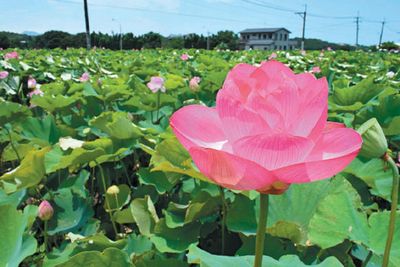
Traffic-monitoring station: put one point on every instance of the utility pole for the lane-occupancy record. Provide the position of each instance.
(357, 27)
(88, 43)
(303, 15)
(120, 37)
(208, 40)
(380, 37)
(120, 33)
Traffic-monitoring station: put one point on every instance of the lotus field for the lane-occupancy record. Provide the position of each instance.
(181, 158)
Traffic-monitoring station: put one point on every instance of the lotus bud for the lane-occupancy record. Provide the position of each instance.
(374, 140)
(113, 190)
(45, 211)
(31, 83)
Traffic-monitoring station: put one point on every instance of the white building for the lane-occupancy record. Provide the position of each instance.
(266, 39)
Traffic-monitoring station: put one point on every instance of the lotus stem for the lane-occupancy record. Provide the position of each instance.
(223, 221)
(106, 200)
(12, 144)
(46, 237)
(262, 224)
(393, 210)
(158, 105)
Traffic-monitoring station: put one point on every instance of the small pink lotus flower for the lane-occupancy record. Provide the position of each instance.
(84, 78)
(273, 56)
(185, 57)
(269, 129)
(156, 84)
(194, 83)
(37, 91)
(45, 211)
(316, 69)
(11, 55)
(329, 48)
(1, 48)
(31, 83)
(3, 75)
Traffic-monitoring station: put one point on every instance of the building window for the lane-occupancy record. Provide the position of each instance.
(286, 37)
(284, 47)
(264, 36)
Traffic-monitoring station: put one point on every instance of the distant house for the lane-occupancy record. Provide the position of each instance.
(266, 39)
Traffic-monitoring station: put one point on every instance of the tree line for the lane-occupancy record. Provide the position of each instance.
(60, 39)
(221, 40)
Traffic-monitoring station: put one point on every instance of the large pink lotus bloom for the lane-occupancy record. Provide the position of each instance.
(156, 84)
(31, 83)
(3, 75)
(194, 83)
(268, 130)
(11, 55)
(84, 78)
(185, 57)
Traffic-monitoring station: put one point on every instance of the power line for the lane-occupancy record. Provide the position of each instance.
(270, 6)
(155, 11)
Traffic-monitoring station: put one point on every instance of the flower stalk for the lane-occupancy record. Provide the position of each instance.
(393, 210)
(103, 180)
(223, 219)
(262, 224)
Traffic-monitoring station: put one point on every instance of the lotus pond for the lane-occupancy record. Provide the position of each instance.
(91, 173)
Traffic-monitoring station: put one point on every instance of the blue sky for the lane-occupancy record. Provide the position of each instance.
(327, 19)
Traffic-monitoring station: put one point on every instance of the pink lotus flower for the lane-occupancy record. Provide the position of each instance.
(3, 75)
(194, 83)
(11, 55)
(185, 57)
(156, 84)
(329, 48)
(37, 91)
(31, 83)
(84, 78)
(273, 56)
(316, 69)
(45, 211)
(267, 131)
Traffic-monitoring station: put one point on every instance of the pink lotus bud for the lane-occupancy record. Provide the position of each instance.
(31, 83)
(11, 55)
(84, 78)
(273, 56)
(185, 57)
(194, 83)
(3, 75)
(329, 48)
(46, 211)
(316, 69)
(156, 83)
